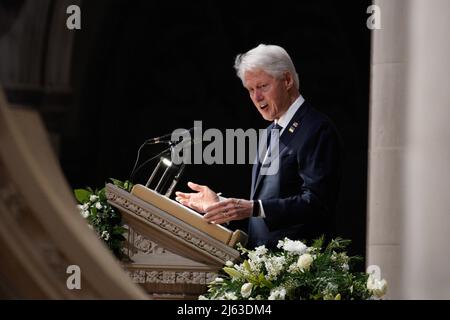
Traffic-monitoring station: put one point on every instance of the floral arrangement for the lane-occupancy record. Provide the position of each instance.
(101, 217)
(294, 272)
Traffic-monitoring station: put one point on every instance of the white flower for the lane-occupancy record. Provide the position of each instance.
(304, 262)
(261, 250)
(202, 297)
(98, 205)
(93, 198)
(333, 256)
(258, 255)
(274, 266)
(345, 267)
(280, 244)
(296, 247)
(277, 294)
(229, 263)
(255, 266)
(293, 267)
(256, 260)
(240, 268)
(246, 289)
(230, 296)
(84, 210)
(218, 280)
(378, 287)
(105, 235)
(330, 291)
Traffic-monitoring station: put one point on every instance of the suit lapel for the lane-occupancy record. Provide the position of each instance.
(289, 132)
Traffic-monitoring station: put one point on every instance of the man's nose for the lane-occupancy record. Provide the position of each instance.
(258, 95)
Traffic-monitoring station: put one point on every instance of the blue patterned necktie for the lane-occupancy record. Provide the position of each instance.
(275, 126)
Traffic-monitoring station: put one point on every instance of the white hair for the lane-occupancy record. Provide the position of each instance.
(270, 58)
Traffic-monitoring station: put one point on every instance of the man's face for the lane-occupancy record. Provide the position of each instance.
(269, 94)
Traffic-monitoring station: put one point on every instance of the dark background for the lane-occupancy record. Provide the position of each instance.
(144, 68)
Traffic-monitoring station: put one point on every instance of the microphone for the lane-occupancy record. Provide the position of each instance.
(167, 137)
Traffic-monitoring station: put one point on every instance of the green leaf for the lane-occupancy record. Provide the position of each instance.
(318, 243)
(247, 266)
(232, 272)
(119, 230)
(116, 182)
(82, 195)
(126, 185)
(264, 282)
(102, 195)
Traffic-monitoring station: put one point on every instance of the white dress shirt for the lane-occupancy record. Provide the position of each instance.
(283, 121)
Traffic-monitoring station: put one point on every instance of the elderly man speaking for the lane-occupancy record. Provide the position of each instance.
(299, 200)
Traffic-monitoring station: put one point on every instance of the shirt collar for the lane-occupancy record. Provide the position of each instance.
(287, 116)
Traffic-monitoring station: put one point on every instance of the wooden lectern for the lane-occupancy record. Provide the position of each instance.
(175, 253)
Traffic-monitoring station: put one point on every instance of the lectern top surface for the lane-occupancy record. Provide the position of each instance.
(182, 212)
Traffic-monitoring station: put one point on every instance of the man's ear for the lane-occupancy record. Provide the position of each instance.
(288, 80)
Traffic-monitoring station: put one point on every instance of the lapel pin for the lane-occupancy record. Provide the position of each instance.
(292, 128)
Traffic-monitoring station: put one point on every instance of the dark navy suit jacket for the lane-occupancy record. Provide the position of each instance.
(299, 201)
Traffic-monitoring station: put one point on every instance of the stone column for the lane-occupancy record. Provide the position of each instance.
(409, 153)
(387, 141)
(426, 237)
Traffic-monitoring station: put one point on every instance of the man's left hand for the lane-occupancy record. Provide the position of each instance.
(228, 210)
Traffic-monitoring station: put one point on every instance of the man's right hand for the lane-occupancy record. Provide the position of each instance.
(200, 200)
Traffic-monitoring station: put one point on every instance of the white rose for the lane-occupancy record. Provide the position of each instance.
(304, 262)
(246, 289)
(85, 214)
(378, 287)
(93, 198)
(98, 205)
